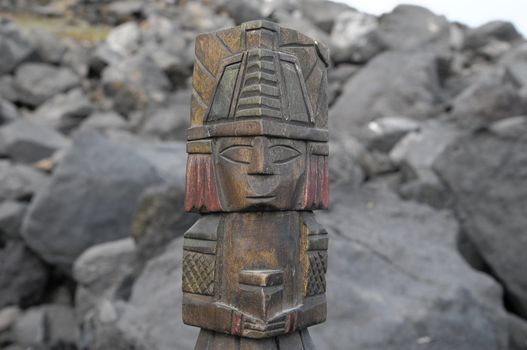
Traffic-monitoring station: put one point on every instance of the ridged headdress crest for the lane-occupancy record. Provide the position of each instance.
(259, 79)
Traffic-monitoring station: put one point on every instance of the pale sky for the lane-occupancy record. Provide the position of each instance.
(471, 12)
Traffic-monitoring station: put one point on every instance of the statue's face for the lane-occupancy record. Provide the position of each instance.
(260, 172)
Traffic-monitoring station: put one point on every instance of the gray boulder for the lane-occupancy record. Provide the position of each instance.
(415, 155)
(11, 215)
(410, 26)
(491, 97)
(91, 199)
(391, 84)
(20, 182)
(104, 120)
(486, 173)
(14, 45)
(48, 47)
(126, 10)
(170, 122)
(159, 218)
(382, 134)
(517, 331)
(23, 276)
(151, 318)
(101, 272)
(8, 111)
(8, 316)
(323, 13)
(7, 88)
(396, 280)
(355, 37)
(134, 82)
(124, 39)
(64, 112)
(492, 31)
(37, 82)
(50, 326)
(25, 141)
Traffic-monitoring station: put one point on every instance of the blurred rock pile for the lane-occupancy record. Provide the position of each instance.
(429, 175)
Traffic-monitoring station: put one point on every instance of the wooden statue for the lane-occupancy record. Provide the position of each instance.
(254, 265)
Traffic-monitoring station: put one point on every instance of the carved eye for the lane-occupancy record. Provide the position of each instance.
(237, 154)
(281, 154)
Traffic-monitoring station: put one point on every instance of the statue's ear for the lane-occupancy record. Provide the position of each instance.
(201, 194)
(316, 194)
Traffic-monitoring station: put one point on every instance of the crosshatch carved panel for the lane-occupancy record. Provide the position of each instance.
(198, 273)
(316, 277)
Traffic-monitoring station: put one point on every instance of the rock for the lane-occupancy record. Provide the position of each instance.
(124, 39)
(23, 277)
(491, 97)
(518, 73)
(100, 58)
(517, 330)
(48, 47)
(8, 316)
(396, 278)
(487, 173)
(133, 83)
(104, 121)
(337, 77)
(7, 88)
(37, 82)
(91, 199)
(77, 57)
(376, 163)
(171, 122)
(393, 83)
(151, 319)
(510, 127)
(355, 37)
(419, 149)
(410, 26)
(100, 266)
(344, 167)
(27, 142)
(242, 10)
(159, 218)
(11, 215)
(64, 112)
(126, 10)
(100, 273)
(14, 45)
(19, 182)
(415, 154)
(8, 111)
(323, 13)
(51, 325)
(496, 30)
(384, 133)
(199, 18)
(296, 22)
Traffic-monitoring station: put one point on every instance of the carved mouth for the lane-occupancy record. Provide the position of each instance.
(260, 198)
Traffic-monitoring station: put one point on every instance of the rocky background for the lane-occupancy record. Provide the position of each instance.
(428, 165)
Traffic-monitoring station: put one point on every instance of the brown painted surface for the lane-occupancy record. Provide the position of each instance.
(254, 265)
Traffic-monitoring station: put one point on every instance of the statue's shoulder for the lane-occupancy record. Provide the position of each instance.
(311, 224)
(206, 228)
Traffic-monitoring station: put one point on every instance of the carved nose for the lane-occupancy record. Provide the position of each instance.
(260, 162)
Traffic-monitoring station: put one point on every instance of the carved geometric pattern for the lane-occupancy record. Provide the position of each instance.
(316, 278)
(198, 273)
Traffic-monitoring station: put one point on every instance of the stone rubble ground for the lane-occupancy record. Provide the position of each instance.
(428, 222)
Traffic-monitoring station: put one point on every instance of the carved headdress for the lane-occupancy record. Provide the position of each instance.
(258, 79)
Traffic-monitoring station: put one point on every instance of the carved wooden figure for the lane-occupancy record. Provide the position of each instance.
(254, 265)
